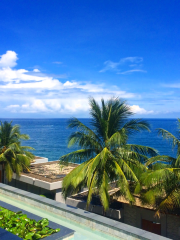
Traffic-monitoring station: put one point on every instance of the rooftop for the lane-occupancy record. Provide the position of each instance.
(50, 171)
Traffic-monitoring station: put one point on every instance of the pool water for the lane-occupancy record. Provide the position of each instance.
(81, 232)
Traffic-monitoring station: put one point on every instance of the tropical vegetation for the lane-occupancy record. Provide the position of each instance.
(160, 185)
(22, 226)
(13, 156)
(105, 153)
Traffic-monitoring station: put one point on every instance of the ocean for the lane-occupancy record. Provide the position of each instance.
(49, 136)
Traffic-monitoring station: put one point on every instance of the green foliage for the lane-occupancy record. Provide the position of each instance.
(107, 156)
(162, 189)
(13, 156)
(160, 186)
(173, 140)
(23, 227)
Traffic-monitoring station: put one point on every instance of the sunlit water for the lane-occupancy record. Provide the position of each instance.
(81, 232)
(50, 136)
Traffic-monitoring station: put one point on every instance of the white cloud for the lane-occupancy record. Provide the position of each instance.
(139, 110)
(52, 105)
(133, 70)
(13, 108)
(126, 64)
(24, 91)
(8, 59)
(132, 59)
(109, 65)
(36, 106)
(36, 70)
(69, 105)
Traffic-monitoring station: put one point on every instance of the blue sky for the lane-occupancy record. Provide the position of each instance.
(55, 54)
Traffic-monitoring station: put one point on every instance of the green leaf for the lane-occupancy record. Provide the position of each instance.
(29, 236)
(36, 236)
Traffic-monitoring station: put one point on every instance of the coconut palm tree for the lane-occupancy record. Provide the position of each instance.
(161, 183)
(105, 153)
(13, 156)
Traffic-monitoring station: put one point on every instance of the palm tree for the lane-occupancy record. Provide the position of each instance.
(103, 148)
(13, 156)
(162, 182)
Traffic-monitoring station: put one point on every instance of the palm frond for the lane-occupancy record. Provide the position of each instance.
(143, 149)
(92, 168)
(177, 162)
(77, 156)
(2, 157)
(25, 148)
(170, 202)
(103, 191)
(169, 136)
(118, 139)
(127, 170)
(159, 177)
(158, 166)
(127, 154)
(136, 125)
(91, 186)
(8, 171)
(75, 177)
(159, 158)
(84, 141)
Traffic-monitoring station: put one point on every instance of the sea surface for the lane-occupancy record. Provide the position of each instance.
(49, 137)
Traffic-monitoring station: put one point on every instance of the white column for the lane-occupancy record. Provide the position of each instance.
(58, 196)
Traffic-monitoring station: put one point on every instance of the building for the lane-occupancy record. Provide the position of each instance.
(143, 217)
(45, 179)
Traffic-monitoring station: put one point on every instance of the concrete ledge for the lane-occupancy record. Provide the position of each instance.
(38, 183)
(40, 160)
(83, 218)
(24, 179)
(113, 213)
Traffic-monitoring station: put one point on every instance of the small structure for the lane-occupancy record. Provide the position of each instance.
(36, 160)
(44, 179)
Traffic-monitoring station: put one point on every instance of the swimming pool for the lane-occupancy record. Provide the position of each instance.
(81, 232)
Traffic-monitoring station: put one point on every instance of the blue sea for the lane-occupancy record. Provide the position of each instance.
(49, 136)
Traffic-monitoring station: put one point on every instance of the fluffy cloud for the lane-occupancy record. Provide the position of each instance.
(8, 59)
(36, 70)
(139, 110)
(127, 65)
(23, 91)
(51, 105)
(71, 105)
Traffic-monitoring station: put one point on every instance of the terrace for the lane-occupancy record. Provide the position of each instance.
(45, 179)
(49, 171)
(85, 224)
